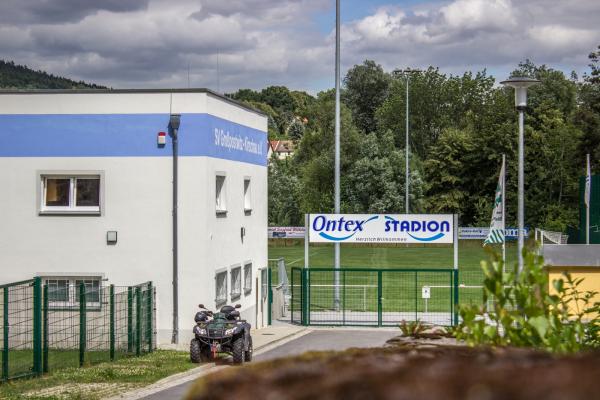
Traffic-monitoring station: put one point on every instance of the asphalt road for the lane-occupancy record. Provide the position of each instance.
(319, 340)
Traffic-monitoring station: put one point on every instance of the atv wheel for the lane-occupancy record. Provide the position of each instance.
(195, 351)
(238, 349)
(248, 353)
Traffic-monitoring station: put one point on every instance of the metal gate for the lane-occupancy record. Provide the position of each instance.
(373, 297)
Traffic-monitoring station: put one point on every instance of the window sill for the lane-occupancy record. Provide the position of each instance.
(247, 211)
(220, 302)
(235, 296)
(221, 212)
(247, 292)
(70, 212)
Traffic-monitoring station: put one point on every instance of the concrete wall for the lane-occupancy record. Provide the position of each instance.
(115, 134)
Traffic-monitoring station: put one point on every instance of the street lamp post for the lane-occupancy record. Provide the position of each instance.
(520, 84)
(336, 207)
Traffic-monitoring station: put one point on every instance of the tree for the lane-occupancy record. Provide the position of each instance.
(366, 88)
(446, 172)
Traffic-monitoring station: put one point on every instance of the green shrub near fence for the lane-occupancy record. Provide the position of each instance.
(40, 334)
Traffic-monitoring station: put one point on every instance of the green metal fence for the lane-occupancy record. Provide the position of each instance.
(373, 297)
(47, 327)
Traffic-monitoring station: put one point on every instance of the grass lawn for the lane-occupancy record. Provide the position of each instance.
(101, 380)
(401, 291)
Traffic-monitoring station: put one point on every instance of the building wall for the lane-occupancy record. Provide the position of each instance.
(116, 135)
(591, 281)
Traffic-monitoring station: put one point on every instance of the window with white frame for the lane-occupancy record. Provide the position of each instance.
(70, 194)
(221, 288)
(220, 193)
(247, 195)
(264, 285)
(65, 292)
(236, 283)
(247, 278)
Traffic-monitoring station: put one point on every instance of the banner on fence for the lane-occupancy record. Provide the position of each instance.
(381, 228)
(479, 233)
(286, 232)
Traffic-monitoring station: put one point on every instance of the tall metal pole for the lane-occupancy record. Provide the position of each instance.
(407, 151)
(588, 175)
(337, 149)
(503, 212)
(521, 194)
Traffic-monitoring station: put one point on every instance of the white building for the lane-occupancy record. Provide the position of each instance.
(87, 194)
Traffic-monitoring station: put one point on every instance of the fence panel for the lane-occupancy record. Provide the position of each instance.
(373, 297)
(296, 285)
(45, 328)
(18, 344)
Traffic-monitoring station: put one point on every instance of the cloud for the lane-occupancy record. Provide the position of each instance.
(231, 44)
(57, 11)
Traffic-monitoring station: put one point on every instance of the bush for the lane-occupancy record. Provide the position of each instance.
(525, 313)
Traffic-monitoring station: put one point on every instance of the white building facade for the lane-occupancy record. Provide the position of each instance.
(87, 195)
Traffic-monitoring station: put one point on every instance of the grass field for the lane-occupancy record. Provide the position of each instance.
(98, 381)
(401, 291)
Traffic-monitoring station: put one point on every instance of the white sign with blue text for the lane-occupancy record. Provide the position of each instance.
(381, 228)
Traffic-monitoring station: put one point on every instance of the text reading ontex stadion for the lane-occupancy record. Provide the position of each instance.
(381, 228)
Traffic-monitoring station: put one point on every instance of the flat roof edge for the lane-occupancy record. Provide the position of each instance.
(121, 91)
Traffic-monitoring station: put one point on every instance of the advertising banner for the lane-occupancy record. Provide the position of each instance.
(480, 233)
(381, 228)
(286, 232)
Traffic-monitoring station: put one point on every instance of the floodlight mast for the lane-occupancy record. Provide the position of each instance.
(407, 73)
(520, 84)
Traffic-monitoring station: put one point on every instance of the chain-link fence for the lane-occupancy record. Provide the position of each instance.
(373, 297)
(47, 325)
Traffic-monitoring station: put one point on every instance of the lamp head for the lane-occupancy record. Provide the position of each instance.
(174, 121)
(520, 84)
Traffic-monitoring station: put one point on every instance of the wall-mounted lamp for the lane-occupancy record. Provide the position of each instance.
(111, 237)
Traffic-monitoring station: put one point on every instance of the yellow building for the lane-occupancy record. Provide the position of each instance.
(580, 260)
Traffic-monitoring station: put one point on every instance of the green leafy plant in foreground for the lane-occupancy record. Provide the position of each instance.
(525, 313)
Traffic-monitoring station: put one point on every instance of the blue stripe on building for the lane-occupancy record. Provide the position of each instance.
(128, 135)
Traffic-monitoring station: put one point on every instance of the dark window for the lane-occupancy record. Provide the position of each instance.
(88, 192)
(57, 192)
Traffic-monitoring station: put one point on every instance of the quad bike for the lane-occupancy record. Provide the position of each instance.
(221, 332)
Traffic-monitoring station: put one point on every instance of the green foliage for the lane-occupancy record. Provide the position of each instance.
(366, 88)
(13, 76)
(526, 314)
(413, 329)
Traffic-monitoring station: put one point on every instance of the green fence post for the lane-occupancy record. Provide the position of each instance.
(149, 315)
(343, 297)
(379, 298)
(138, 321)
(416, 298)
(455, 297)
(270, 297)
(82, 324)
(111, 295)
(5, 336)
(304, 297)
(129, 319)
(45, 335)
(37, 325)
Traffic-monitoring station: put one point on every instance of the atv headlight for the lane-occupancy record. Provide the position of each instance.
(230, 331)
(199, 331)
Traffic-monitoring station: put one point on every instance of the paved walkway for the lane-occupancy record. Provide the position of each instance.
(262, 340)
(318, 339)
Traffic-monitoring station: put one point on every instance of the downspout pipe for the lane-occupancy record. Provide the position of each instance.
(174, 121)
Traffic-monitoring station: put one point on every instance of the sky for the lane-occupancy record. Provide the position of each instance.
(225, 45)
